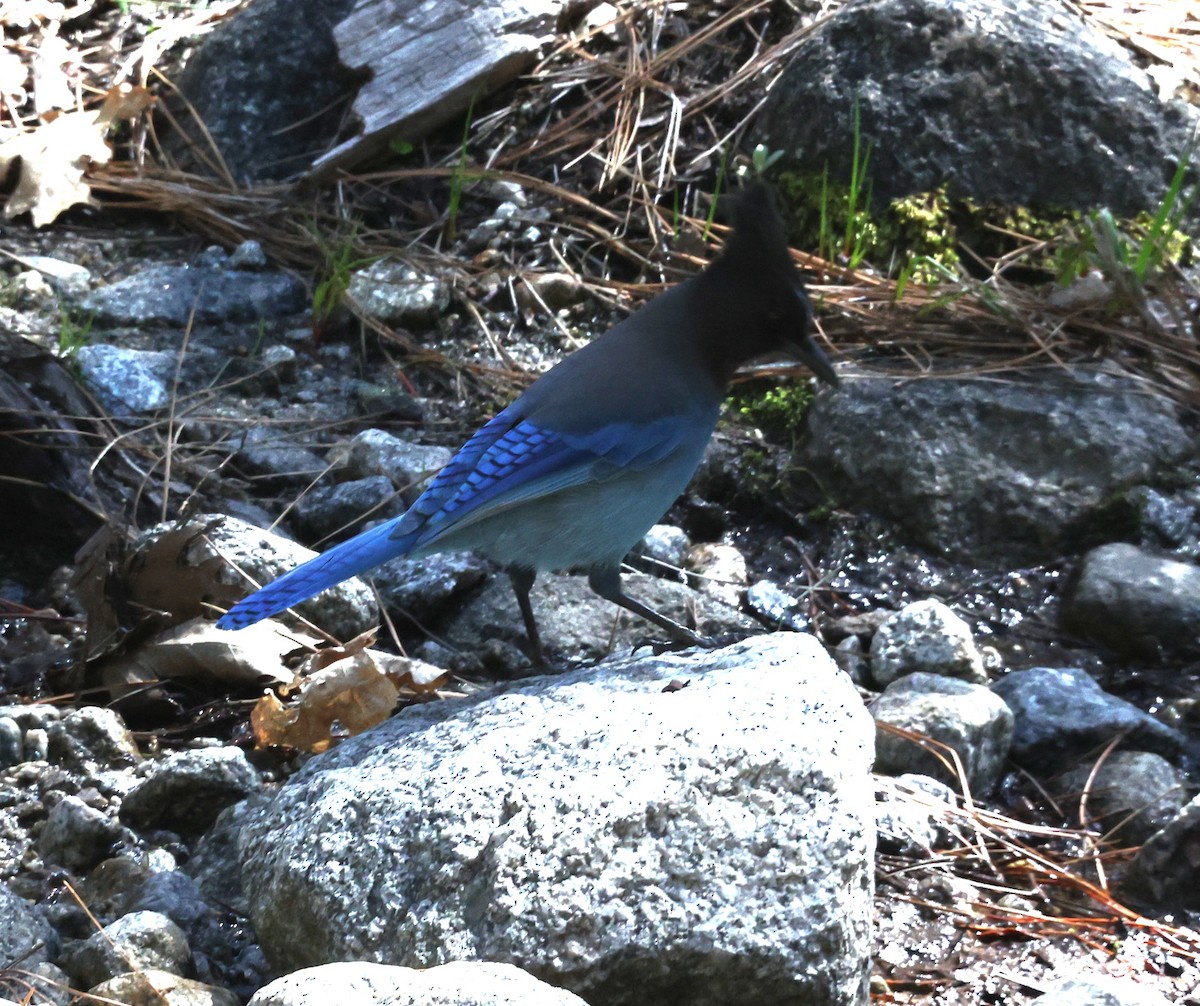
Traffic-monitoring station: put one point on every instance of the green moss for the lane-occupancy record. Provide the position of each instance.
(913, 228)
(778, 410)
(921, 235)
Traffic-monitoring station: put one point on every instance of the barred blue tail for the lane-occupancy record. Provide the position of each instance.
(326, 570)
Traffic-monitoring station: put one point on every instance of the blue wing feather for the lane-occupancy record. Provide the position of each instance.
(508, 460)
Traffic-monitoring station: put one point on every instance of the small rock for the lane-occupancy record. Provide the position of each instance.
(206, 294)
(968, 718)
(214, 256)
(666, 544)
(576, 623)
(38, 984)
(862, 625)
(12, 742)
(604, 18)
(926, 636)
(1136, 602)
(28, 717)
(152, 987)
(1165, 518)
(421, 588)
(345, 610)
(269, 452)
(912, 813)
(25, 935)
(281, 361)
(1133, 793)
(397, 294)
(386, 401)
(248, 255)
(327, 511)
(37, 744)
(127, 380)
(849, 656)
(28, 290)
(555, 290)
(92, 737)
(1062, 714)
(174, 894)
(777, 609)
(134, 942)
(77, 836)
(187, 790)
(469, 983)
(407, 465)
(65, 277)
(1166, 871)
(1101, 990)
(505, 191)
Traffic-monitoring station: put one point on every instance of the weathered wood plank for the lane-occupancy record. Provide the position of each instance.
(429, 58)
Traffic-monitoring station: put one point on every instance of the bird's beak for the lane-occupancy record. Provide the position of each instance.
(809, 353)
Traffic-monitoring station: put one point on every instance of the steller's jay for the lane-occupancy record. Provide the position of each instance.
(575, 471)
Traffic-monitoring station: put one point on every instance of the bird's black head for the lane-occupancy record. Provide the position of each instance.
(756, 293)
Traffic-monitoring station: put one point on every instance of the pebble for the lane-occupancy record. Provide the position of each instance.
(970, 719)
(925, 636)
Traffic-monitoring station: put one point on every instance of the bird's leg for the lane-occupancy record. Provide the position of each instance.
(606, 581)
(522, 583)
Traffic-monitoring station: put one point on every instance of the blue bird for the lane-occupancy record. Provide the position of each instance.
(575, 471)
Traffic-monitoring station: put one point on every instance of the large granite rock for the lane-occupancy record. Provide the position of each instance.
(980, 96)
(686, 828)
(982, 469)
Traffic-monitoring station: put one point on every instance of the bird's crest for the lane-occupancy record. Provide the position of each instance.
(758, 233)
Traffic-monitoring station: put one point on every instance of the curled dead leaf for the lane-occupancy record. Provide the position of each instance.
(55, 156)
(339, 699)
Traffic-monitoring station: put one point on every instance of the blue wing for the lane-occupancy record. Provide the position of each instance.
(508, 461)
(511, 461)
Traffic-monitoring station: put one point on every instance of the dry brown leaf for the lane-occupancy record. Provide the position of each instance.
(339, 701)
(167, 581)
(416, 674)
(327, 655)
(340, 697)
(55, 156)
(124, 102)
(200, 651)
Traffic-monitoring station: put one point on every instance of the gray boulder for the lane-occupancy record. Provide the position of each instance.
(980, 96)
(1062, 714)
(1136, 602)
(1165, 874)
(1131, 795)
(647, 830)
(270, 109)
(980, 469)
(967, 718)
(459, 983)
